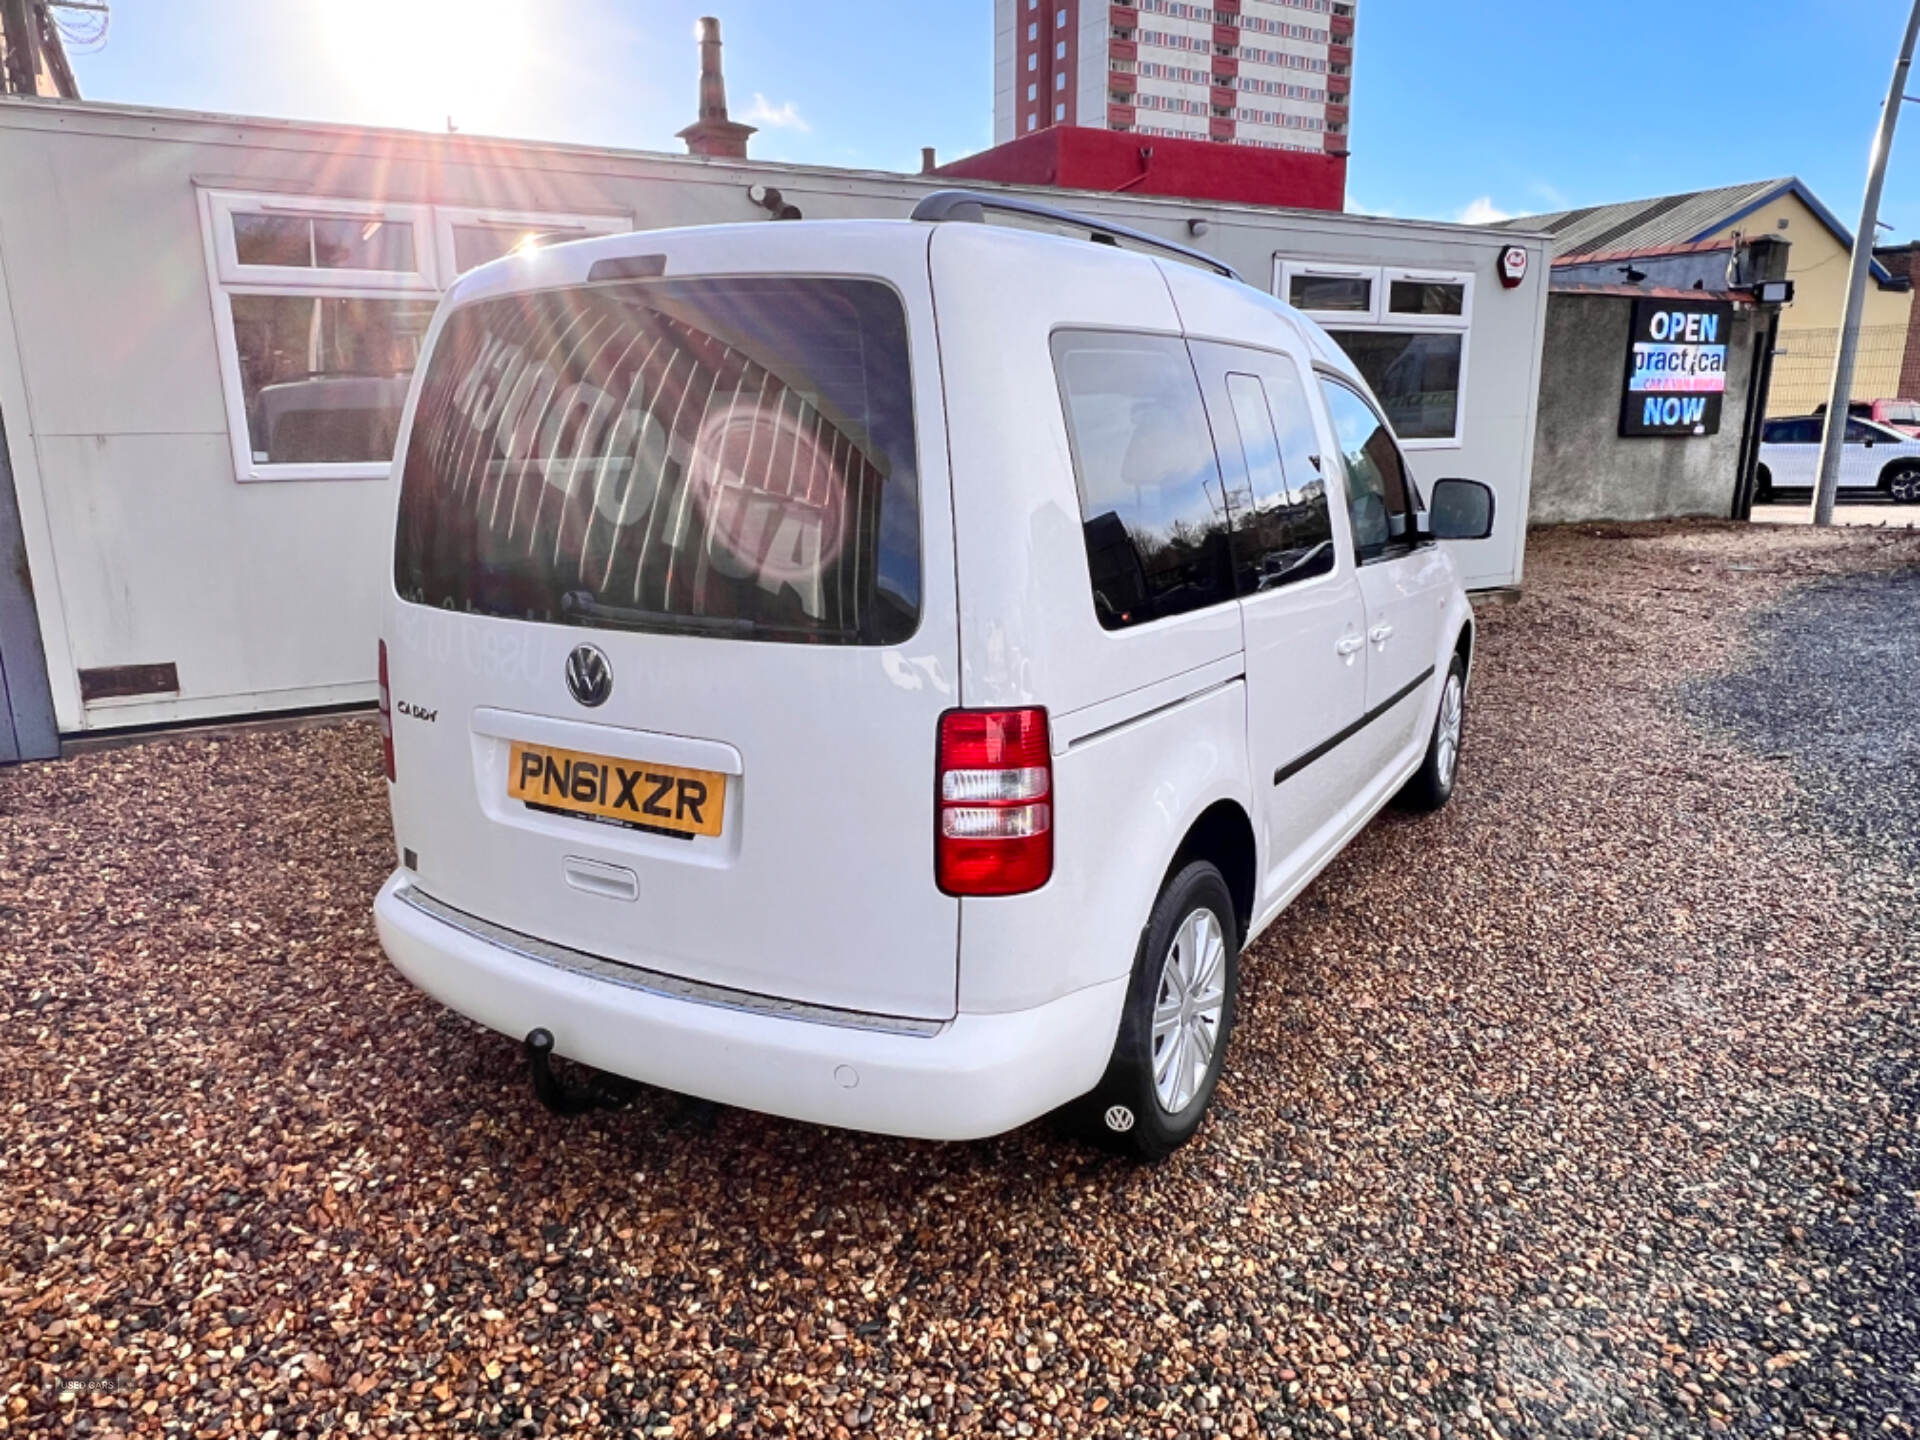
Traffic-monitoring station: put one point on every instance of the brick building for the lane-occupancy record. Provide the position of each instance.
(1258, 73)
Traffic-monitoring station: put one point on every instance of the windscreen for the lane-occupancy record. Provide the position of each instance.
(730, 456)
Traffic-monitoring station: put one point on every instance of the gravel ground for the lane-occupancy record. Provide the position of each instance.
(1586, 1107)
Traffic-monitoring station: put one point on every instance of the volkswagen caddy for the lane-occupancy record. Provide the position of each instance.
(884, 672)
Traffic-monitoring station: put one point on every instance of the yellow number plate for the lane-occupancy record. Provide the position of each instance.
(632, 792)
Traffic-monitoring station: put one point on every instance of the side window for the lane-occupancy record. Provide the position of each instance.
(1152, 501)
(1859, 433)
(1288, 534)
(1378, 495)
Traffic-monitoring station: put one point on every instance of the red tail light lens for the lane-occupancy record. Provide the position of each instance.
(386, 714)
(994, 802)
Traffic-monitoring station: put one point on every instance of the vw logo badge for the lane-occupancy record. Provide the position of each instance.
(589, 676)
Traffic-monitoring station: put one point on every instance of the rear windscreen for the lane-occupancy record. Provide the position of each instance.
(731, 457)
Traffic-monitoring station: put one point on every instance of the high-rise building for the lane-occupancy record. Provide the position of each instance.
(1269, 73)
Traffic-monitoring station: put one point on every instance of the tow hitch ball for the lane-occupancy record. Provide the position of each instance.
(608, 1092)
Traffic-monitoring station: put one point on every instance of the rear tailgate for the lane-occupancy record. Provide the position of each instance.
(720, 496)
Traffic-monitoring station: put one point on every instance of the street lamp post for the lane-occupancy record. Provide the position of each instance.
(1836, 427)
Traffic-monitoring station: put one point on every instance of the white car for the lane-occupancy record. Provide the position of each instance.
(882, 673)
(1873, 457)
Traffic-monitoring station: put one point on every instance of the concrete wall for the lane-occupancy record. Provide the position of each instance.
(1583, 468)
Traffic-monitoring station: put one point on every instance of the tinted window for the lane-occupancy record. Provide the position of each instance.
(1151, 497)
(1330, 292)
(1287, 534)
(1859, 432)
(1426, 297)
(1377, 493)
(1415, 374)
(1791, 432)
(731, 457)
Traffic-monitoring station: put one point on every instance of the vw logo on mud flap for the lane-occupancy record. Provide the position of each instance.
(589, 676)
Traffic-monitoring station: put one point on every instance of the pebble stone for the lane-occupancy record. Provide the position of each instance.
(1585, 1107)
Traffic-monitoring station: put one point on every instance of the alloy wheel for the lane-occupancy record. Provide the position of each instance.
(1449, 733)
(1188, 1010)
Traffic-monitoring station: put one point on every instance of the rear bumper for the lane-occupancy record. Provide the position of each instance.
(976, 1075)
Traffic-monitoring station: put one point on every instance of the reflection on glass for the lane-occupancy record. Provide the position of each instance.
(1416, 374)
(310, 242)
(1426, 297)
(1155, 510)
(1377, 496)
(477, 243)
(325, 377)
(1286, 535)
(728, 457)
(1331, 292)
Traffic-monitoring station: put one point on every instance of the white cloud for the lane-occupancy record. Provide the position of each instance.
(1482, 211)
(1359, 207)
(784, 116)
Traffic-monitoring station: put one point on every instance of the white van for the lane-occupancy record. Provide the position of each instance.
(882, 673)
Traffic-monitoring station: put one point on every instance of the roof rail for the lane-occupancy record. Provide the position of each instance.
(970, 206)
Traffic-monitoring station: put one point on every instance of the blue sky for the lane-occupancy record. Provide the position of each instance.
(1459, 109)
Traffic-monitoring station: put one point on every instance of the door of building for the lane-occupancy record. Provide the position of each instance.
(27, 730)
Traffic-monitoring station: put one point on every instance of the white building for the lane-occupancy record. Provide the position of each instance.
(206, 324)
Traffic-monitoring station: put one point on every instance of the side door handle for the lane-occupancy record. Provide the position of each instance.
(1380, 634)
(1348, 645)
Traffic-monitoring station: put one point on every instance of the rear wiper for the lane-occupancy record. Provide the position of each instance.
(578, 607)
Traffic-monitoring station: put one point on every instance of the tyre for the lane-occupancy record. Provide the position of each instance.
(1762, 486)
(1432, 784)
(1178, 1017)
(1903, 484)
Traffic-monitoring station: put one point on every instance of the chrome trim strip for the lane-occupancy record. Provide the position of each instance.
(653, 982)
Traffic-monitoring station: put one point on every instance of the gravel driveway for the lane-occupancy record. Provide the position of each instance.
(1586, 1107)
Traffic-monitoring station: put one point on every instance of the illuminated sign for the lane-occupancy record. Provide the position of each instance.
(1676, 367)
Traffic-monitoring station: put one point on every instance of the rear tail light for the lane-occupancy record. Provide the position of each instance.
(386, 714)
(994, 801)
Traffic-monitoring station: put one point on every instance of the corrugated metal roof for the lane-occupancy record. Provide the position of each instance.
(1662, 220)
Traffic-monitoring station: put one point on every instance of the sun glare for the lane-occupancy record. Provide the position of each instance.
(421, 63)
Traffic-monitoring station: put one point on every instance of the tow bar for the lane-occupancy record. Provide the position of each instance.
(607, 1092)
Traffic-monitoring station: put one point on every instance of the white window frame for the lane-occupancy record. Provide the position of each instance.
(221, 206)
(1288, 269)
(1394, 320)
(433, 270)
(1380, 317)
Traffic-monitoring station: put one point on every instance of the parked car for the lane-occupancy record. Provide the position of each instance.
(1873, 457)
(1901, 415)
(883, 673)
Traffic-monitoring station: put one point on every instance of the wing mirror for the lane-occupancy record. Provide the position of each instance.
(1460, 510)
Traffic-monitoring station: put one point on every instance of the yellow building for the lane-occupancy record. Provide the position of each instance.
(1817, 264)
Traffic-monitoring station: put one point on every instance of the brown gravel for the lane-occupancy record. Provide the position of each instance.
(1585, 1107)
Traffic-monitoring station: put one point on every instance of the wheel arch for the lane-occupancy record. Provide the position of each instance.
(1222, 834)
(1894, 467)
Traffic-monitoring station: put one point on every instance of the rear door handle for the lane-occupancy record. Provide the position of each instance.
(1348, 645)
(1380, 634)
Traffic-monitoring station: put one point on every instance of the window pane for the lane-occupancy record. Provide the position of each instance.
(1415, 374)
(334, 243)
(1376, 485)
(728, 457)
(1426, 297)
(325, 377)
(273, 240)
(482, 241)
(357, 244)
(1288, 535)
(1151, 496)
(1330, 292)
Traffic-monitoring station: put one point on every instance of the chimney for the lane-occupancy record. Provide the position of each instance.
(926, 159)
(713, 133)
